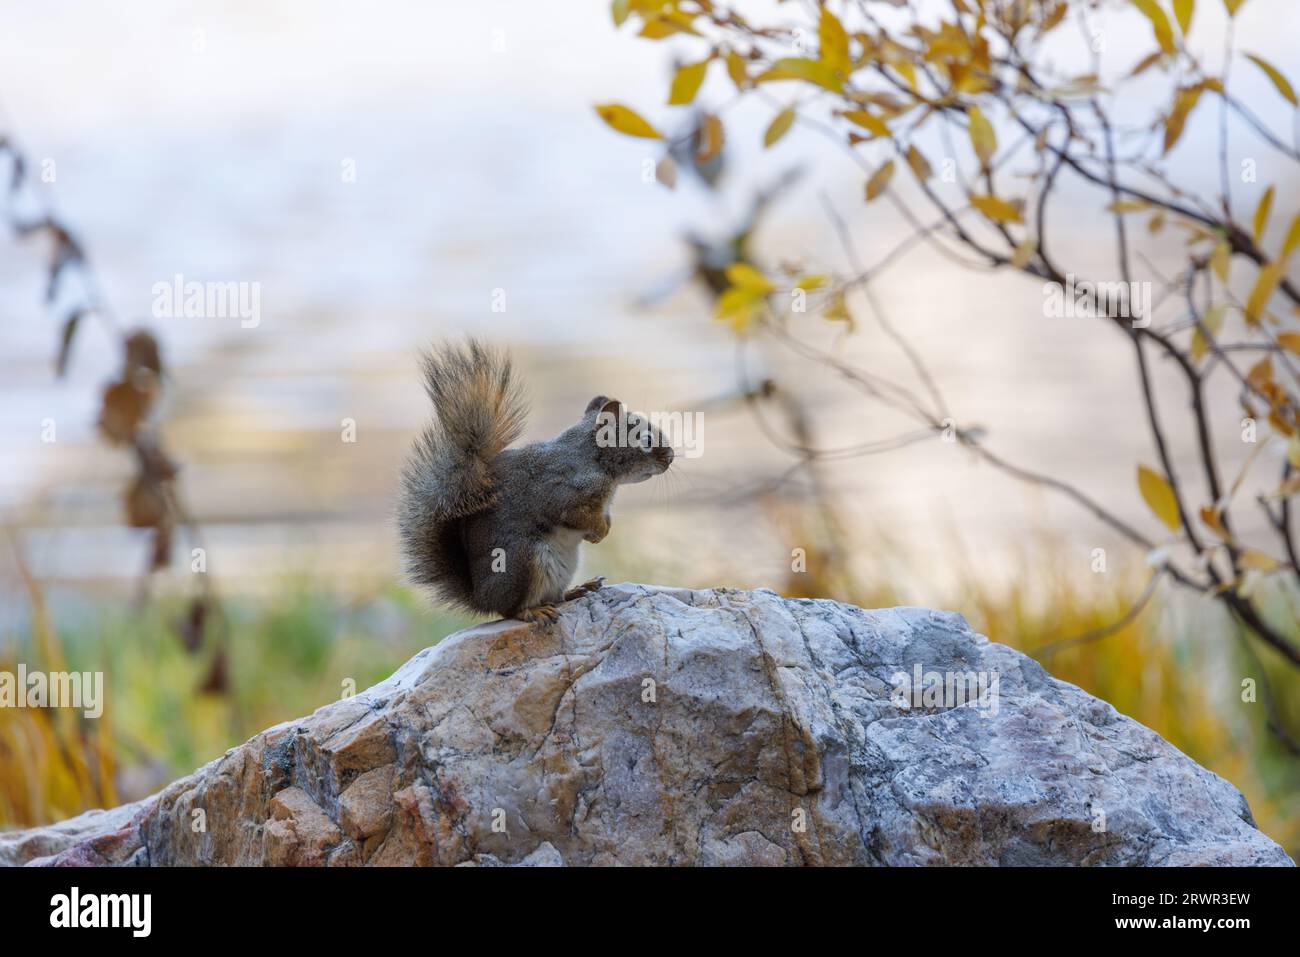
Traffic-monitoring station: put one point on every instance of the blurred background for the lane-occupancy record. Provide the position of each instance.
(393, 173)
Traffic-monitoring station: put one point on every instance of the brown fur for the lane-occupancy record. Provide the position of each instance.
(494, 529)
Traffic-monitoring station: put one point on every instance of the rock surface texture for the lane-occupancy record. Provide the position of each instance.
(659, 726)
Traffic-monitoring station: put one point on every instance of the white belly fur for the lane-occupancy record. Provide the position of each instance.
(554, 562)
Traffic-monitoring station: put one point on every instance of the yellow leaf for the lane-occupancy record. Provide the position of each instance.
(687, 83)
(905, 69)
(1290, 341)
(619, 10)
(1289, 487)
(745, 276)
(626, 121)
(1023, 254)
(779, 127)
(737, 306)
(1292, 238)
(1184, 102)
(890, 105)
(833, 43)
(798, 68)
(1283, 85)
(837, 310)
(998, 210)
(736, 69)
(1265, 284)
(1213, 322)
(868, 121)
(810, 283)
(1210, 517)
(1128, 206)
(1261, 213)
(1232, 6)
(741, 303)
(667, 24)
(1159, 496)
(1147, 62)
(1159, 23)
(1260, 374)
(879, 180)
(1053, 18)
(1255, 560)
(982, 136)
(657, 29)
(711, 138)
(1221, 261)
(1183, 10)
(920, 165)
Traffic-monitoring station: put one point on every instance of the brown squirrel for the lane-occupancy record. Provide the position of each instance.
(496, 530)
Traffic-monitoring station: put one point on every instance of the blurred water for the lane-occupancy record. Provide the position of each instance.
(210, 140)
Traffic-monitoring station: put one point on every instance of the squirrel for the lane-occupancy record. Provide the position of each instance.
(496, 530)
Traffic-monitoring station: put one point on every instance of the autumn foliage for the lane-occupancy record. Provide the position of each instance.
(873, 76)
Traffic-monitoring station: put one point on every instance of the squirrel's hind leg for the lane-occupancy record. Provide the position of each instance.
(546, 613)
(586, 588)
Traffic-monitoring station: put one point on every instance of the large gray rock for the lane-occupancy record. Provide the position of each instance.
(653, 726)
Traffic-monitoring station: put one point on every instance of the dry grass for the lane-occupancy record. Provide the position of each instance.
(53, 762)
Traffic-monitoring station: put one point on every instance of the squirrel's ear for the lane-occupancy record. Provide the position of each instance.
(607, 407)
(605, 404)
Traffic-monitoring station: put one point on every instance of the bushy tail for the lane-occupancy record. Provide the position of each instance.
(479, 410)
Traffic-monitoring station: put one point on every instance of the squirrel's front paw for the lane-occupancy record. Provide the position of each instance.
(597, 532)
(586, 588)
(545, 613)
